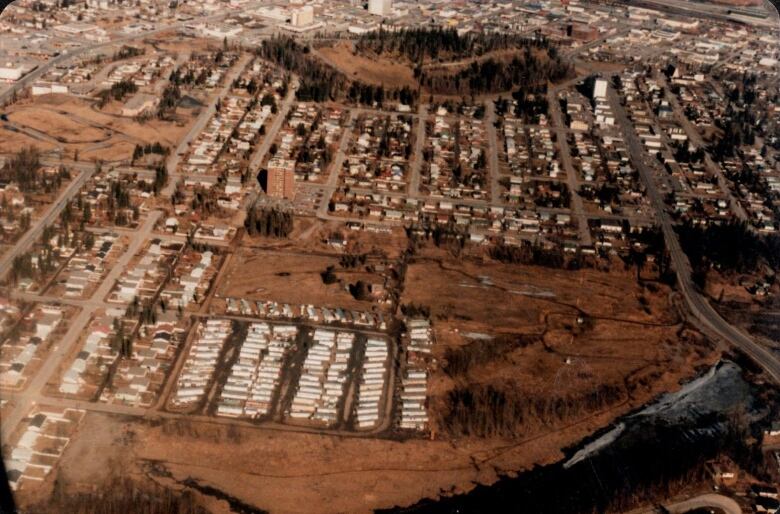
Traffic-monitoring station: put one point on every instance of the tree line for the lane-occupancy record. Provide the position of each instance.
(117, 92)
(503, 410)
(730, 246)
(320, 82)
(494, 75)
(25, 170)
(417, 44)
(272, 221)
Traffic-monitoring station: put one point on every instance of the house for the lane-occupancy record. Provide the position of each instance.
(46, 325)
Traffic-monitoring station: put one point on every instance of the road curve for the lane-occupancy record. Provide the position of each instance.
(718, 501)
(700, 309)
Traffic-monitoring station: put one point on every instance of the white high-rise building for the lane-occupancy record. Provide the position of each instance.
(302, 17)
(380, 7)
(600, 88)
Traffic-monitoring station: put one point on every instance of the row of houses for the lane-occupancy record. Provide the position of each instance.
(309, 137)
(17, 353)
(255, 376)
(140, 282)
(86, 268)
(414, 383)
(378, 156)
(191, 279)
(99, 350)
(457, 159)
(372, 385)
(529, 151)
(277, 310)
(201, 361)
(46, 434)
(323, 377)
(140, 375)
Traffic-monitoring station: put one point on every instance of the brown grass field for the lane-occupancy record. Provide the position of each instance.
(64, 121)
(374, 70)
(292, 278)
(632, 339)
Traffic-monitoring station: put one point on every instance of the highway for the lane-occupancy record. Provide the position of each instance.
(701, 311)
(704, 501)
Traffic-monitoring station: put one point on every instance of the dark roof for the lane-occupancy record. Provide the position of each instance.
(38, 420)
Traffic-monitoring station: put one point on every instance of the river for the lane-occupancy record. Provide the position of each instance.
(667, 440)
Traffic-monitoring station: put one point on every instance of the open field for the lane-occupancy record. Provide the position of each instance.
(63, 121)
(559, 343)
(292, 278)
(310, 234)
(374, 70)
(630, 339)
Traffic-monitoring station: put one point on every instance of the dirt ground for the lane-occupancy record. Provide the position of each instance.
(636, 343)
(587, 329)
(373, 70)
(53, 121)
(311, 235)
(294, 278)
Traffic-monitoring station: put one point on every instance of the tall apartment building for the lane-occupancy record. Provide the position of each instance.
(600, 88)
(380, 7)
(303, 16)
(281, 178)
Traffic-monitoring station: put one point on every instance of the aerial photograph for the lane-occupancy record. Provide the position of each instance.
(390, 256)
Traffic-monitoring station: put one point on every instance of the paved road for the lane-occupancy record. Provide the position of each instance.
(419, 146)
(698, 10)
(695, 137)
(49, 217)
(492, 157)
(52, 362)
(331, 184)
(572, 180)
(703, 501)
(205, 115)
(73, 53)
(270, 136)
(702, 312)
(724, 503)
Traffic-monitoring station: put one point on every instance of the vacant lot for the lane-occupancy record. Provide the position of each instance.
(375, 70)
(52, 121)
(292, 278)
(552, 345)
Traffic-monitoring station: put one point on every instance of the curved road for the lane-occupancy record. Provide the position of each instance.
(707, 317)
(704, 501)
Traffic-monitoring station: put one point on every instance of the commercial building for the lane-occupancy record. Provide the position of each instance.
(11, 72)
